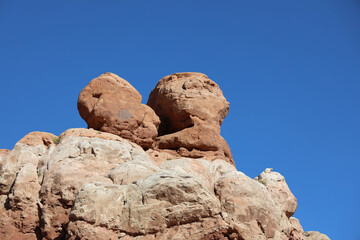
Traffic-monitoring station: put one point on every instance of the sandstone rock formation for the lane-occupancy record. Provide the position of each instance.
(88, 184)
(91, 184)
(19, 186)
(314, 235)
(191, 108)
(279, 191)
(110, 104)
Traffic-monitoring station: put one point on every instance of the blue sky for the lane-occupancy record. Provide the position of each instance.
(290, 70)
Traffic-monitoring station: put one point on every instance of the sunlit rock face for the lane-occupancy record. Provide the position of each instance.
(191, 108)
(126, 181)
(110, 104)
(279, 191)
(96, 185)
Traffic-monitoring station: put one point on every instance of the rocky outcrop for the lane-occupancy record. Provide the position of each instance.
(20, 185)
(88, 184)
(279, 191)
(190, 105)
(110, 104)
(191, 108)
(101, 183)
(313, 235)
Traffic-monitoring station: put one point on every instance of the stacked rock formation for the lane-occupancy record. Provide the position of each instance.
(191, 108)
(110, 104)
(190, 105)
(91, 184)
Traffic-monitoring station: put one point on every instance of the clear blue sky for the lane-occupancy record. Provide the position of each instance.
(290, 70)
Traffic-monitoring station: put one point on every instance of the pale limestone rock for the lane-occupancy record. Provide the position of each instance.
(112, 189)
(207, 229)
(297, 233)
(218, 168)
(20, 155)
(207, 172)
(196, 167)
(132, 171)
(162, 200)
(314, 235)
(19, 183)
(75, 162)
(248, 205)
(279, 191)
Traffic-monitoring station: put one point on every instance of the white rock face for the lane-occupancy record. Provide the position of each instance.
(160, 201)
(75, 162)
(248, 205)
(93, 185)
(132, 171)
(279, 191)
(313, 235)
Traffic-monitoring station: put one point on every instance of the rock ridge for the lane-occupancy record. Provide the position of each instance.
(156, 171)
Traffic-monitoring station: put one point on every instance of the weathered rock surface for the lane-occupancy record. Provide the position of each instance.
(191, 108)
(89, 159)
(313, 235)
(110, 104)
(96, 185)
(279, 191)
(102, 184)
(19, 186)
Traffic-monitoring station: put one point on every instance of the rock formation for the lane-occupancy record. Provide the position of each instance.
(279, 190)
(314, 235)
(110, 104)
(90, 184)
(191, 108)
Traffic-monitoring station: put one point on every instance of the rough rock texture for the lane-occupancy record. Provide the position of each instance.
(313, 235)
(89, 159)
(191, 108)
(298, 231)
(110, 104)
(19, 186)
(91, 184)
(279, 191)
(95, 185)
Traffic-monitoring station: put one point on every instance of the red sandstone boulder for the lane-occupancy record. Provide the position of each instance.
(191, 108)
(110, 104)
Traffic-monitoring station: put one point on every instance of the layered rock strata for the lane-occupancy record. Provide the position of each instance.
(88, 184)
(100, 183)
(191, 108)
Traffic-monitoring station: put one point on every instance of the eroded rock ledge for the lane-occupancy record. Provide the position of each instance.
(102, 184)
(182, 117)
(95, 185)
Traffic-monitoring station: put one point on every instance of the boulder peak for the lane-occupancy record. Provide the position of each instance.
(110, 104)
(191, 108)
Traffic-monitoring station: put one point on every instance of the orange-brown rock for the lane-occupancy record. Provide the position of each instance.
(39, 138)
(191, 108)
(314, 235)
(4, 151)
(20, 185)
(94, 184)
(110, 104)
